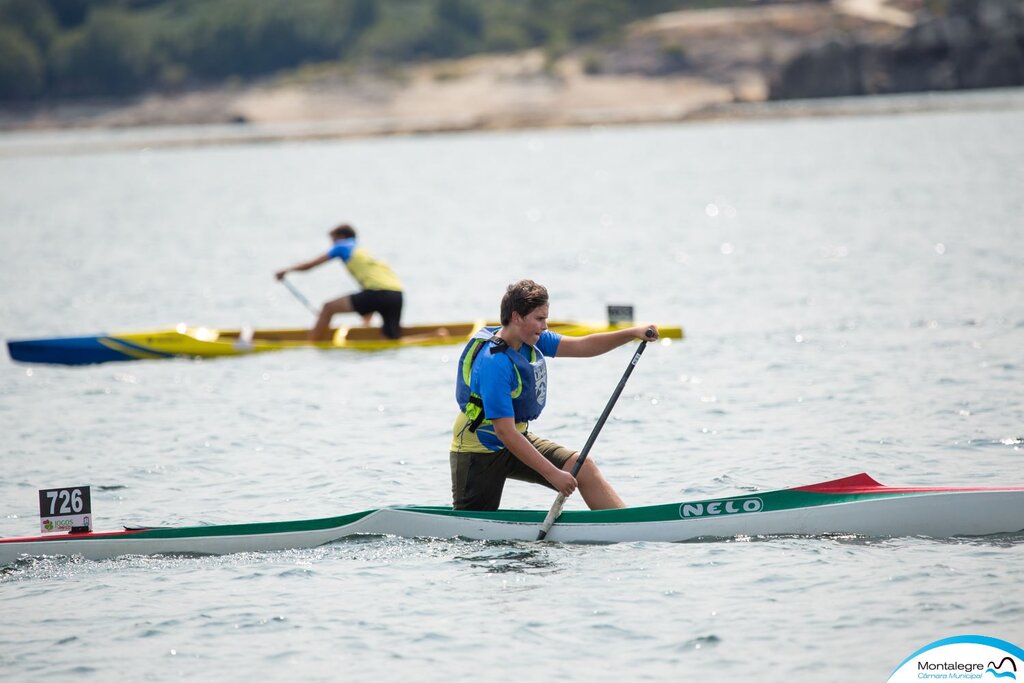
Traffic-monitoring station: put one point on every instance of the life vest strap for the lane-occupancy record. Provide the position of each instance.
(498, 345)
(480, 417)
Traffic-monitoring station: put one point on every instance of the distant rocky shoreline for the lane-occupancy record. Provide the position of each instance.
(977, 44)
(770, 61)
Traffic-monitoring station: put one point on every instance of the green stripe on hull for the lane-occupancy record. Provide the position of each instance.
(253, 529)
(765, 502)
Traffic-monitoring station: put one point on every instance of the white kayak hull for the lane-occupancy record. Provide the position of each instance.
(854, 505)
(976, 514)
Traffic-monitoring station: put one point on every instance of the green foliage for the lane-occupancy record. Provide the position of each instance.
(246, 38)
(399, 33)
(363, 15)
(113, 53)
(592, 21)
(22, 71)
(456, 29)
(69, 13)
(104, 47)
(33, 20)
(460, 16)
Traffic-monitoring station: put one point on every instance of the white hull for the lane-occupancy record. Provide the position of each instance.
(877, 513)
(939, 515)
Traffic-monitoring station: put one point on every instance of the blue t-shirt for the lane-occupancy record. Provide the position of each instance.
(494, 379)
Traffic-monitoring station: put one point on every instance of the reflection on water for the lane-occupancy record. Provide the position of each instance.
(699, 643)
(503, 558)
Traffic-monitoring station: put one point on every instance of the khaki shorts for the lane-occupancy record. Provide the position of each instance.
(479, 478)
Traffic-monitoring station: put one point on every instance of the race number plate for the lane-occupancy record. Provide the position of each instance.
(619, 315)
(65, 510)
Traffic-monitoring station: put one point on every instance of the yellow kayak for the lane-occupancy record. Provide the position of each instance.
(208, 342)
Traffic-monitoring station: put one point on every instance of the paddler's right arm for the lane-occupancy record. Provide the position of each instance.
(597, 343)
(505, 428)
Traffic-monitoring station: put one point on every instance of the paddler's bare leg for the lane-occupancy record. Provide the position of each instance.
(597, 493)
(322, 330)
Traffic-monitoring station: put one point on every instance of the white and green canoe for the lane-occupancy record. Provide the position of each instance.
(852, 505)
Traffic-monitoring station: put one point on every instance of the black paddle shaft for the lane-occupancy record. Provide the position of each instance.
(608, 408)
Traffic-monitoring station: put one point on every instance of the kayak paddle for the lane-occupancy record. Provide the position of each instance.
(298, 295)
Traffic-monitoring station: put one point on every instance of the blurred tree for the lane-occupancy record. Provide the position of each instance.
(461, 16)
(456, 29)
(399, 34)
(594, 20)
(540, 23)
(69, 13)
(246, 38)
(364, 14)
(34, 20)
(22, 70)
(113, 53)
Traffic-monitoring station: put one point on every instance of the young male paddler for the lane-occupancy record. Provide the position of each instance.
(502, 386)
(381, 293)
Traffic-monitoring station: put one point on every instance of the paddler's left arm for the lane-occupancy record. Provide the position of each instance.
(603, 342)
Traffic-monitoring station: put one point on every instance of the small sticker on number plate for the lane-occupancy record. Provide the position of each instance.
(67, 509)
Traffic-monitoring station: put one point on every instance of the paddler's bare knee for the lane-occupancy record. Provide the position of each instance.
(595, 489)
(588, 470)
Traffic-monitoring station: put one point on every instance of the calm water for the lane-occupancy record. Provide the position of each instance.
(851, 291)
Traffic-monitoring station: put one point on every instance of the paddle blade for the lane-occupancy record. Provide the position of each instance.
(553, 514)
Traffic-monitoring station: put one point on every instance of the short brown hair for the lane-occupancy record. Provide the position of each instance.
(342, 232)
(522, 297)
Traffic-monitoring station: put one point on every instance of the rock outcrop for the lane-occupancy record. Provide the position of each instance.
(976, 44)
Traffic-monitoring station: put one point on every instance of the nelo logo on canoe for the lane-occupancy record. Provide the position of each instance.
(732, 506)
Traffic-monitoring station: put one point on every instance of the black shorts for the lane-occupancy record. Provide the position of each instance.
(385, 302)
(478, 479)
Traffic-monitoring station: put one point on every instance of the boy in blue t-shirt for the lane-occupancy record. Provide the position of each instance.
(501, 387)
